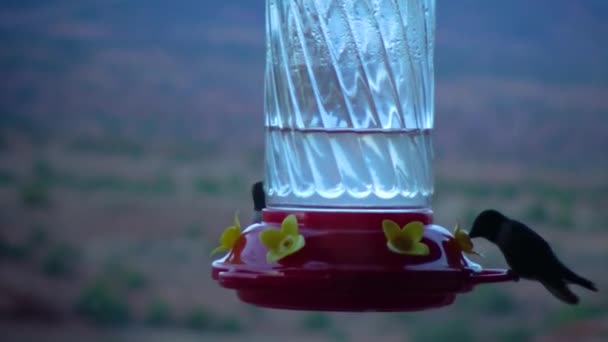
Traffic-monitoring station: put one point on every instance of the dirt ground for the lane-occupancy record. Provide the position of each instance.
(74, 225)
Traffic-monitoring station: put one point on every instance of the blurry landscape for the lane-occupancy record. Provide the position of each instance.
(130, 132)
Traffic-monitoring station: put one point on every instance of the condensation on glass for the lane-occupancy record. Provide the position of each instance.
(349, 90)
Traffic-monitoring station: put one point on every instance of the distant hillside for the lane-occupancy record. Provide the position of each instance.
(516, 80)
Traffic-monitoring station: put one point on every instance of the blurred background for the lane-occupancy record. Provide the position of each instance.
(131, 131)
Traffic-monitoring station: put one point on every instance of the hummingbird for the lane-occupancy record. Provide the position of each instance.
(259, 200)
(528, 255)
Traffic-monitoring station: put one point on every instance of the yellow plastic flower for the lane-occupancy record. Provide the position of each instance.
(463, 241)
(229, 237)
(284, 242)
(406, 240)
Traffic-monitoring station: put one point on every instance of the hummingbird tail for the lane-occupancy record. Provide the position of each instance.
(574, 278)
(578, 280)
(561, 291)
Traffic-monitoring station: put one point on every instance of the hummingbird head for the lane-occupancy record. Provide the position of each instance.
(259, 197)
(487, 224)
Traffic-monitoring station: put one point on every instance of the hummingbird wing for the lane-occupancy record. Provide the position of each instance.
(545, 259)
(574, 278)
(560, 290)
(532, 257)
(527, 253)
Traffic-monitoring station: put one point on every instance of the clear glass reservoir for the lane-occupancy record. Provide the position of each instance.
(349, 90)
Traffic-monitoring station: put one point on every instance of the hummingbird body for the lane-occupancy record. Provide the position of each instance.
(528, 254)
(259, 200)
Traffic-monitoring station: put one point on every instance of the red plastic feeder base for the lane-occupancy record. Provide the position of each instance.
(347, 266)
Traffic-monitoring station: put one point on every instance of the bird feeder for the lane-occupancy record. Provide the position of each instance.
(348, 226)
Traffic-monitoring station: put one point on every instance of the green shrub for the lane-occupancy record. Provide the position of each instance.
(507, 191)
(15, 251)
(158, 313)
(454, 331)
(565, 219)
(551, 192)
(496, 302)
(38, 236)
(125, 277)
(103, 304)
(111, 146)
(218, 186)
(43, 171)
(7, 178)
(207, 186)
(488, 301)
(193, 231)
(188, 153)
(234, 184)
(316, 321)
(35, 194)
(134, 280)
(536, 213)
(255, 158)
(479, 190)
(199, 319)
(230, 325)
(338, 335)
(61, 259)
(515, 335)
(162, 185)
(577, 313)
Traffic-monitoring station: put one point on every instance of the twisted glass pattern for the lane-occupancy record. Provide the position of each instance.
(349, 92)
